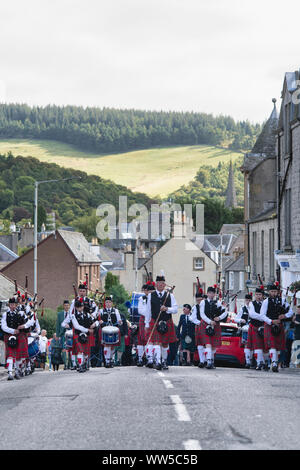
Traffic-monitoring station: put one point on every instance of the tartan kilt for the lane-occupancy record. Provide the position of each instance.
(141, 338)
(101, 341)
(74, 346)
(81, 348)
(198, 338)
(274, 342)
(92, 340)
(21, 351)
(254, 341)
(158, 338)
(214, 340)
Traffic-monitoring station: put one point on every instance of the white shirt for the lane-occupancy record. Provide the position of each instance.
(239, 315)
(171, 310)
(193, 316)
(43, 341)
(142, 303)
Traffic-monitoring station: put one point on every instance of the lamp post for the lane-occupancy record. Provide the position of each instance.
(35, 258)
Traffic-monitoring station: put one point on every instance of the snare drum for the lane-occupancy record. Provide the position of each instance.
(69, 339)
(33, 347)
(110, 335)
(134, 311)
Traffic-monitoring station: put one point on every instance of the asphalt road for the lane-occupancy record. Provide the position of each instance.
(130, 408)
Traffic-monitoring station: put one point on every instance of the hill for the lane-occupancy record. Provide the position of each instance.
(113, 130)
(72, 201)
(156, 171)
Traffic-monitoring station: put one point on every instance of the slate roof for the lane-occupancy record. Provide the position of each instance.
(6, 254)
(7, 288)
(237, 265)
(79, 246)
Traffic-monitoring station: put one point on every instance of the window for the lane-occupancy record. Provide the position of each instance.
(271, 253)
(241, 280)
(231, 280)
(287, 217)
(198, 264)
(254, 253)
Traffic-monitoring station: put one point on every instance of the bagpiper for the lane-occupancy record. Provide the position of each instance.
(242, 319)
(83, 324)
(255, 340)
(142, 339)
(13, 324)
(273, 311)
(196, 319)
(160, 330)
(211, 312)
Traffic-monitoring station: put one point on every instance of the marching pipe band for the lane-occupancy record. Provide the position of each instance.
(93, 319)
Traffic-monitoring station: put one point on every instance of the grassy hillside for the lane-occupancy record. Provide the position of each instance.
(157, 171)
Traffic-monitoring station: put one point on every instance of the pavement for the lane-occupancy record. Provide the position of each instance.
(128, 408)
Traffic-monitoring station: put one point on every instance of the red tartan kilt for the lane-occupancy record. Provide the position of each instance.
(81, 348)
(142, 340)
(21, 351)
(158, 338)
(101, 342)
(92, 340)
(198, 338)
(254, 341)
(214, 340)
(274, 342)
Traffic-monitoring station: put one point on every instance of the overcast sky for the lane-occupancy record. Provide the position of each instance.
(215, 56)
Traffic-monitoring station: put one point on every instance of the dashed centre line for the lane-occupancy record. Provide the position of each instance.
(181, 411)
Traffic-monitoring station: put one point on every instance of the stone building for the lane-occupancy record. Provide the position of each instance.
(288, 182)
(260, 196)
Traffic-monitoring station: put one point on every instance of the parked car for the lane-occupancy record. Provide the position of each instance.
(231, 351)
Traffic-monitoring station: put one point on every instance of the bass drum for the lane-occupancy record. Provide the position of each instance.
(134, 316)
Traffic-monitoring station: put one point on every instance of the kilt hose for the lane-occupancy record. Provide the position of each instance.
(254, 341)
(21, 351)
(81, 348)
(274, 342)
(198, 338)
(214, 340)
(158, 338)
(141, 339)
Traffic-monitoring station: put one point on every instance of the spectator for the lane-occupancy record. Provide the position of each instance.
(60, 333)
(56, 350)
(43, 348)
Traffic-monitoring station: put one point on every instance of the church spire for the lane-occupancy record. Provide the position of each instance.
(231, 200)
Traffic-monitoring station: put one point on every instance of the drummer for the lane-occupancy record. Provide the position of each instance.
(110, 316)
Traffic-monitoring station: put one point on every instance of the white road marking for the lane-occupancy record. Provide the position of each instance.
(161, 374)
(168, 384)
(181, 411)
(192, 444)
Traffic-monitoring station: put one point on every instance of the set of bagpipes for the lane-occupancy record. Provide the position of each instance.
(99, 299)
(19, 318)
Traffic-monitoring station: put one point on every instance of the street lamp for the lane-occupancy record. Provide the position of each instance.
(36, 185)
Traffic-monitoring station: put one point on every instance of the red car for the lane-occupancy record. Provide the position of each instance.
(231, 351)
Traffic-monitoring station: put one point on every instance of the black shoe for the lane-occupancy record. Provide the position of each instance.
(201, 365)
(247, 365)
(17, 375)
(260, 366)
(150, 365)
(209, 365)
(10, 377)
(165, 366)
(274, 367)
(139, 363)
(266, 366)
(73, 368)
(158, 366)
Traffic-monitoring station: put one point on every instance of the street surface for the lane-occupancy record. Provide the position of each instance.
(128, 408)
